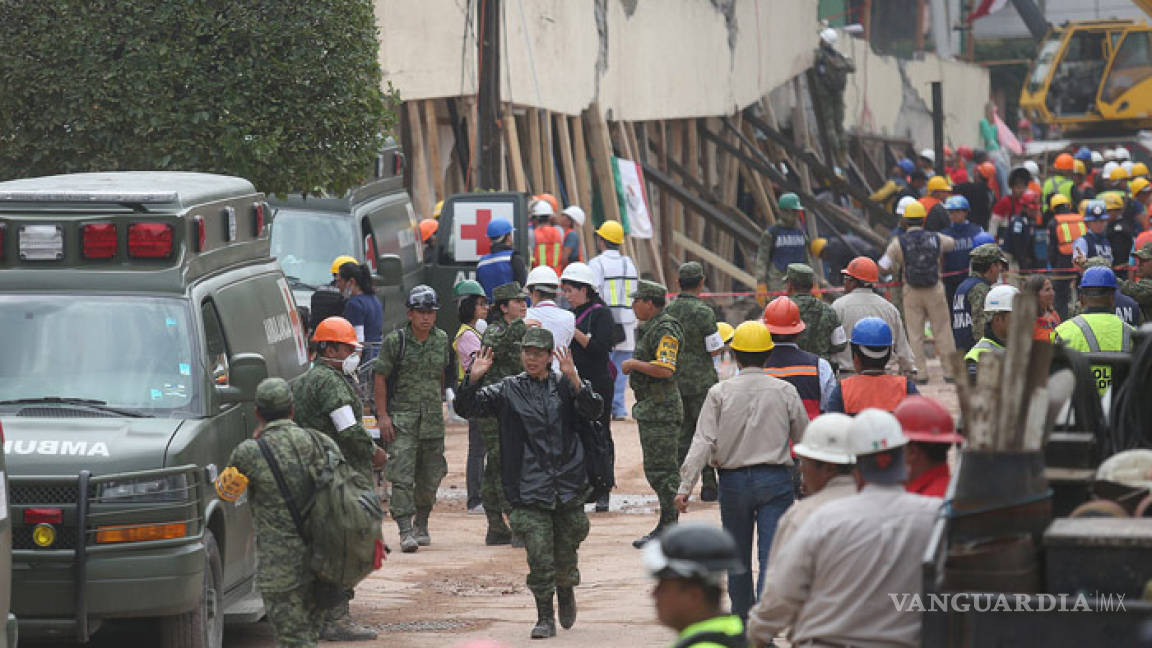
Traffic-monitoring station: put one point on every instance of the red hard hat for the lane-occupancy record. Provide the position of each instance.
(926, 420)
(1064, 162)
(782, 317)
(987, 169)
(1029, 199)
(960, 176)
(862, 268)
(964, 152)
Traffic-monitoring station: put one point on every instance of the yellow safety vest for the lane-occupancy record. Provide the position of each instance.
(980, 348)
(1094, 332)
(455, 342)
(618, 288)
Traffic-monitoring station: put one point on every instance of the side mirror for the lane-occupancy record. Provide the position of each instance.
(389, 270)
(245, 371)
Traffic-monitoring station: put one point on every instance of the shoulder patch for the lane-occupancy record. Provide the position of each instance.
(666, 352)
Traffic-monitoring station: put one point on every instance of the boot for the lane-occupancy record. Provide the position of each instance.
(602, 503)
(420, 527)
(517, 542)
(566, 606)
(498, 531)
(345, 629)
(545, 620)
(652, 535)
(408, 542)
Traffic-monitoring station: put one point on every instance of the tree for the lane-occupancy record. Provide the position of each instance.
(286, 94)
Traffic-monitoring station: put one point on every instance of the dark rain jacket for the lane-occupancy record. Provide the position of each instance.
(542, 459)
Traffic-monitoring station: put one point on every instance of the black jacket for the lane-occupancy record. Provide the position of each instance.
(541, 457)
(592, 360)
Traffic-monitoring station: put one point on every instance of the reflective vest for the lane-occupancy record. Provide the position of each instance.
(963, 234)
(1056, 185)
(464, 328)
(788, 246)
(1127, 309)
(1094, 332)
(495, 269)
(1098, 245)
(882, 391)
(549, 247)
(618, 286)
(962, 314)
(983, 346)
(800, 369)
(1069, 227)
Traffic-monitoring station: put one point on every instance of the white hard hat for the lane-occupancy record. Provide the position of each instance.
(1033, 168)
(575, 213)
(828, 35)
(1097, 158)
(874, 430)
(1121, 153)
(1127, 164)
(929, 153)
(1130, 467)
(578, 272)
(542, 208)
(1108, 166)
(1109, 154)
(999, 299)
(542, 275)
(904, 202)
(826, 439)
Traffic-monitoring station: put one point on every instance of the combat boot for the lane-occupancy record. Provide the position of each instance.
(345, 629)
(652, 535)
(408, 542)
(545, 619)
(566, 606)
(498, 531)
(420, 527)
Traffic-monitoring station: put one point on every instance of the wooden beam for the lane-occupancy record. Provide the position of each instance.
(752, 179)
(584, 180)
(567, 163)
(600, 148)
(472, 172)
(713, 259)
(720, 219)
(432, 137)
(692, 223)
(418, 167)
(516, 179)
(535, 159)
(549, 160)
(673, 152)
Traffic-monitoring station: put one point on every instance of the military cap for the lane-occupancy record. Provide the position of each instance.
(648, 290)
(273, 394)
(1144, 252)
(801, 271)
(691, 270)
(1096, 262)
(538, 337)
(989, 252)
(511, 290)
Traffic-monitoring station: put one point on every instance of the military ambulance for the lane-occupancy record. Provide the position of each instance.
(140, 310)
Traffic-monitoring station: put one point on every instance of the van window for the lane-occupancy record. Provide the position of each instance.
(305, 243)
(215, 346)
(258, 315)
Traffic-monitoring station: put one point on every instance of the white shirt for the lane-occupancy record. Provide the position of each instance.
(862, 302)
(561, 323)
(610, 263)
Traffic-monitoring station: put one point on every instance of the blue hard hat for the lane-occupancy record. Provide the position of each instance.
(1084, 154)
(908, 166)
(873, 332)
(1095, 210)
(498, 227)
(1098, 277)
(956, 203)
(981, 239)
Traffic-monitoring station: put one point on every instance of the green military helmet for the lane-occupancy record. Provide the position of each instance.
(538, 337)
(1144, 252)
(510, 290)
(274, 395)
(466, 288)
(790, 201)
(988, 252)
(800, 272)
(691, 271)
(646, 289)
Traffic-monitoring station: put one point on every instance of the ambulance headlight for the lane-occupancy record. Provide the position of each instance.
(170, 488)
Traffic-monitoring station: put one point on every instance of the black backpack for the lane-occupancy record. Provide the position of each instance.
(921, 258)
(597, 457)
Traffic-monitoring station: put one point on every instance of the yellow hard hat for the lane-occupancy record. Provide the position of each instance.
(915, 211)
(1139, 184)
(611, 231)
(725, 330)
(1078, 167)
(439, 208)
(1058, 199)
(938, 183)
(1139, 169)
(1083, 206)
(1112, 200)
(752, 336)
(817, 246)
(1118, 174)
(341, 260)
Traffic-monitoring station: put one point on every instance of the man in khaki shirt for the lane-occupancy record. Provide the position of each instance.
(743, 430)
(860, 301)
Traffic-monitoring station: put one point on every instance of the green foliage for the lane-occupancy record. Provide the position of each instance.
(286, 94)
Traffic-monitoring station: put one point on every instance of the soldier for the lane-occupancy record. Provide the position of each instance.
(411, 419)
(658, 411)
(701, 343)
(823, 335)
(986, 262)
(780, 244)
(1141, 289)
(287, 589)
(831, 70)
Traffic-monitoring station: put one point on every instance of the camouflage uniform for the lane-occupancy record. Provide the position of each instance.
(551, 538)
(322, 391)
(821, 323)
(1140, 290)
(659, 411)
(976, 295)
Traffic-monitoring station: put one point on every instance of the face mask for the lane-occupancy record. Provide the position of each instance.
(351, 363)
(347, 292)
(481, 326)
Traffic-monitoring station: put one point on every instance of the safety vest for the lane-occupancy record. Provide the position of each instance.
(464, 328)
(1095, 332)
(1069, 227)
(1098, 245)
(618, 287)
(983, 346)
(882, 391)
(788, 246)
(494, 269)
(962, 234)
(799, 368)
(962, 314)
(1127, 309)
(1056, 185)
(549, 248)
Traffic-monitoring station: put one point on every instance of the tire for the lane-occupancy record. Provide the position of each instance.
(203, 627)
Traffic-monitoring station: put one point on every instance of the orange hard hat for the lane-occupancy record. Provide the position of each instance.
(1064, 162)
(987, 169)
(782, 317)
(551, 200)
(926, 420)
(428, 228)
(862, 268)
(335, 329)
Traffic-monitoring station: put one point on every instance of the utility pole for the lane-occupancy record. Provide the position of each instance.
(488, 102)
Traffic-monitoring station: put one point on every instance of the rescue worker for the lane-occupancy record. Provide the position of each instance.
(543, 465)
(1061, 181)
(986, 265)
(428, 228)
(617, 279)
(833, 582)
(547, 239)
(870, 387)
(1094, 243)
(571, 221)
(918, 253)
(745, 429)
(978, 194)
(328, 300)
(1081, 185)
(543, 285)
(362, 308)
(1018, 239)
(694, 375)
(859, 301)
(1120, 229)
(503, 264)
(1141, 289)
(1141, 190)
(811, 375)
(1009, 204)
(1066, 226)
(997, 316)
(1098, 328)
(831, 70)
(963, 233)
(286, 586)
(939, 190)
(780, 244)
(411, 419)
(1126, 308)
(838, 251)
(822, 334)
(658, 411)
(689, 563)
(930, 432)
(471, 312)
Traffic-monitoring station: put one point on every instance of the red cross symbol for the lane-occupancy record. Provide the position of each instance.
(479, 231)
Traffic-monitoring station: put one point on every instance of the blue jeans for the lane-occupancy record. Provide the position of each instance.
(752, 499)
(619, 406)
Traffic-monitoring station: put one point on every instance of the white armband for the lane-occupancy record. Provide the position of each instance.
(342, 418)
(713, 342)
(838, 336)
(885, 262)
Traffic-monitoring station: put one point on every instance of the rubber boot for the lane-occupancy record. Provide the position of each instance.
(566, 606)
(408, 542)
(420, 527)
(545, 619)
(498, 531)
(652, 535)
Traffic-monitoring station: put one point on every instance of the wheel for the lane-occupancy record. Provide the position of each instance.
(203, 627)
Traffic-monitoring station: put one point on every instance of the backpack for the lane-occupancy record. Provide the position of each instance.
(597, 457)
(340, 555)
(921, 258)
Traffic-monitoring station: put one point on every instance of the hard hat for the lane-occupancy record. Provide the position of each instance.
(874, 430)
(826, 439)
(1118, 173)
(1112, 200)
(1058, 199)
(542, 208)
(422, 297)
(987, 170)
(1032, 168)
(964, 152)
(928, 154)
(438, 209)
(872, 332)
(752, 337)
(542, 275)
(550, 199)
(1097, 158)
(981, 239)
(498, 227)
(1109, 154)
(1084, 153)
(726, 331)
(1098, 277)
(1079, 167)
(915, 211)
(1094, 210)
(1127, 166)
(828, 35)
(575, 213)
(1129, 467)
(1122, 153)
(693, 551)
(906, 165)
(924, 419)
(790, 201)
(956, 203)
(1063, 163)
(428, 228)
(938, 183)
(1138, 169)
(782, 316)
(999, 299)
(578, 272)
(335, 329)
(947, 152)
(1030, 198)
(611, 231)
(959, 176)
(816, 247)
(863, 269)
(1138, 185)
(341, 260)
(903, 204)
(467, 287)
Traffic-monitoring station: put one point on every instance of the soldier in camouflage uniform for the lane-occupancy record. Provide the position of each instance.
(1141, 290)
(989, 255)
(823, 335)
(696, 372)
(659, 412)
(411, 417)
(781, 244)
(287, 587)
(505, 330)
